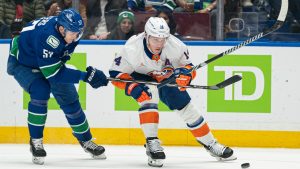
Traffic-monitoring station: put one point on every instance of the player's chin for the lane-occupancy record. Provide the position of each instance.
(68, 41)
(157, 51)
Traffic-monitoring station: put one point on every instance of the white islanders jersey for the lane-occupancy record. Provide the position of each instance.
(136, 57)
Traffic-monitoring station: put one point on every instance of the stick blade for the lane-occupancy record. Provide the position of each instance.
(227, 82)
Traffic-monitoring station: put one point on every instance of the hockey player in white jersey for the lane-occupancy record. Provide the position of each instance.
(155, 55)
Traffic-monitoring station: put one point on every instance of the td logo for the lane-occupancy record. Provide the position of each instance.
(252, 94)
(78, 61)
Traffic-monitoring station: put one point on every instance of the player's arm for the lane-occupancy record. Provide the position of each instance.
(54, 70)
(66, 56)
(121, 69)
(132, 5)
(183, 74)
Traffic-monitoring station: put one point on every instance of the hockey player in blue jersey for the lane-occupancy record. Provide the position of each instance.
(37, 61)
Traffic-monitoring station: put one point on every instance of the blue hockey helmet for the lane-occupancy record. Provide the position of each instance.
(71, 21)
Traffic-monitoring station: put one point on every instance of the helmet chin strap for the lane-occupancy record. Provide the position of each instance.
(62, 34)
(65, 33)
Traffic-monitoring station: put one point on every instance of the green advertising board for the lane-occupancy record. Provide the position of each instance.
(251, 95)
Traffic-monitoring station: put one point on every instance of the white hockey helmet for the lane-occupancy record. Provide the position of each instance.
(157, 27)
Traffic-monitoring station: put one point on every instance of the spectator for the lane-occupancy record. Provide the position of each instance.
(230, 11)
(52, 8)
(65, 4)
(247, 3)
(124, 29)
(151, 5)
(102, 16)
(205, 6)
(184, 6)
(208, 6)
(201, 6)
(14, 14)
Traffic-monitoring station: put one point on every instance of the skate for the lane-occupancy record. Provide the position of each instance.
(37, 150)
(154, 152)
(220, 152)
(97, 152)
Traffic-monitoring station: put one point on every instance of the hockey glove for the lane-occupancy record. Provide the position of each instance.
(138, 91)
(17, 25)
(184, 76)
(96, 78)
(159, 76)
(65, 58)
(16, 28)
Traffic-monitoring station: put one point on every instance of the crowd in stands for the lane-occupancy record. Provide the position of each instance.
(188, 19)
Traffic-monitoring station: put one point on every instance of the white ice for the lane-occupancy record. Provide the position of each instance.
(17, 156)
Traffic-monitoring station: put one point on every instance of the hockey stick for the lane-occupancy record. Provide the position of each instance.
(218, 86)
(277, 25)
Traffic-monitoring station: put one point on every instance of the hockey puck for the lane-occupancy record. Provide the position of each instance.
(245, 165)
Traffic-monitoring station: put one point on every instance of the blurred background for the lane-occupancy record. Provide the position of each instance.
(204, 20)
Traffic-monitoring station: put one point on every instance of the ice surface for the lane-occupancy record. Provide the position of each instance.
(131, 157)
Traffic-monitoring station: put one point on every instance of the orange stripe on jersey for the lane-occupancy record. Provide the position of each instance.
(122, 85)
(149, 117)
(202, 131)
(193, 73)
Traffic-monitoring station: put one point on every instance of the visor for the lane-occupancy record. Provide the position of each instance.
(79, 34)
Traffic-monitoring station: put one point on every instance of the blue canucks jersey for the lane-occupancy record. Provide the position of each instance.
(41, 46)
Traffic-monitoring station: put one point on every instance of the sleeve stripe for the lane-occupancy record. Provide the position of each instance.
(51, 70)
(53, 74)
(47, 66)
(14, 51)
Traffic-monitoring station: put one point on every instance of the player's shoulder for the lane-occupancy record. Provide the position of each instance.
(174, 41)
(51, 42)
(175, 47)
(51, 39)
(134, 43)
(135, 40)
(133, 48)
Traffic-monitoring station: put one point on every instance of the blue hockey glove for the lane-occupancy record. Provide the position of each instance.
(138, 91)
(64, 59)
(96, 78)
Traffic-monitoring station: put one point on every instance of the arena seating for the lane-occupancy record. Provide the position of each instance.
(190, 26)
